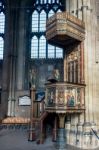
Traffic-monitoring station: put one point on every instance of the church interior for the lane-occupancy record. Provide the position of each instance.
(49, 70)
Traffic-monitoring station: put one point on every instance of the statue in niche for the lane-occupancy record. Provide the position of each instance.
(61, 97)
(56, 74)
(70, 100)
(50, 98)
(32, 78)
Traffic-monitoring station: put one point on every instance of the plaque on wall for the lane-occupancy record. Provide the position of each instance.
(24, 101)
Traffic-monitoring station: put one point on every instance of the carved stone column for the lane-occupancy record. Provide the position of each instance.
(55, 130)
(61, 140)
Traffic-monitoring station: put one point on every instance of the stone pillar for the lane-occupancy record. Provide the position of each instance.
(55, 130)
(89, 58)
(61, 137)
(21, 49)
(14, 54)
(62, 121)
(10, 56)
(96, 64)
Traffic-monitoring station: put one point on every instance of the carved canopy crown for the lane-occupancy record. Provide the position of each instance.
(63, 29)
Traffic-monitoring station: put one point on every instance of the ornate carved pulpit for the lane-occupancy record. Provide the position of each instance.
(67, 32)
(64, 97)
(64, 30)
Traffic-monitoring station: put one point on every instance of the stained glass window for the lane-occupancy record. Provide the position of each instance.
(35, 21)
(2, 22)
(42, 47)
(51, 13)
(42, 10)
(34, 47)
(1, 47)
(2, 27)
(51, 51)
(42, 21)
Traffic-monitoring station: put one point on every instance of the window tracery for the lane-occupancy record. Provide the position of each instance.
(2, 27)
(42, 10)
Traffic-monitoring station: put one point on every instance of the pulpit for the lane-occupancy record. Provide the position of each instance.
(68, 97)
(62, 97)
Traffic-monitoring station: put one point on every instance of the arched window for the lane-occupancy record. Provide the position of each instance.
(51, 13)
(1, 47)
(42, 47)
(51, 51)
(42, 21)
(53, 1)
(43, 9)
(35, 21)
(2, 22)
(59, 52)
(2, 27)
(34, 47)
(45, 1)
(59, 10)
(49, 1)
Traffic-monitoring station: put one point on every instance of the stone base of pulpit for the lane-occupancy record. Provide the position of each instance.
(61, 140)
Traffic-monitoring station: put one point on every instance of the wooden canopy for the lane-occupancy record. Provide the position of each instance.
(63, 29)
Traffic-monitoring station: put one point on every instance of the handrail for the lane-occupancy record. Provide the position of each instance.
(95, 133)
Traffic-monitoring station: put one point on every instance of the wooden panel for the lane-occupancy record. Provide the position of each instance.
(62, 97)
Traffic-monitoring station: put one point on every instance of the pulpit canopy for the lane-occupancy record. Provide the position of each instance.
(63, 29)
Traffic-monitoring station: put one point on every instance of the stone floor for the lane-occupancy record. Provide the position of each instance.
(17, 139)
